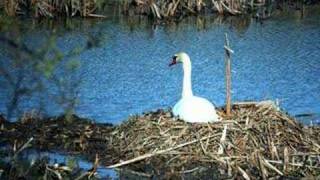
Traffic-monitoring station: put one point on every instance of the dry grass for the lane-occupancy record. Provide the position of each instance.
(51, 8)
(258, 140)
(175, 8)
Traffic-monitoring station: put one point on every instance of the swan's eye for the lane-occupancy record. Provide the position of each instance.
(173, 61)
(175, 58)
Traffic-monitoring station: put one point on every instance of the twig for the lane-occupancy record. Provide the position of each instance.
(23, 147)
(272, 167)
(54, 172)
(190, 170)
(293, 164)
(223, 139)
(97, 16)
(148, 155)
(139, 174)
(232, 11)
(285, 159)
(244, 174)
(263, 170)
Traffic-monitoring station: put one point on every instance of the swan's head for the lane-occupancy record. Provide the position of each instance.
(180, 57)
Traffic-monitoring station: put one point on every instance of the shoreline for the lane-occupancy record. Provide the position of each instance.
(160, 10)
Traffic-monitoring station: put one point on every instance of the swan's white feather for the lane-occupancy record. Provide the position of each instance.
(195, 109)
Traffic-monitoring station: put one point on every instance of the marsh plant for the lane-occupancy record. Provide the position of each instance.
(162, 9)
(52, 8)
(157, 9)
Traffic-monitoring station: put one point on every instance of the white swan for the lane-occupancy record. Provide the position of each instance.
(191, 108)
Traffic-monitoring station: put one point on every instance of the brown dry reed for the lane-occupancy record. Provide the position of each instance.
(51, 8)
(258, 140)
(173, 8)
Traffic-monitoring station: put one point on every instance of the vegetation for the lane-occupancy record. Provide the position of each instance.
(159, 9)
(52, 8)
(163, 9)
(257, 141)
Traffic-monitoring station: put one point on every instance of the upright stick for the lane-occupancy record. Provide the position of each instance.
(228, 52)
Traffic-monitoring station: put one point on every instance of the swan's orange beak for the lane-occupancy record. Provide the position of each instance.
(173, 62)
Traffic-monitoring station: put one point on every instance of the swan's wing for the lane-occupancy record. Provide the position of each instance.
(203, 102)
(195, 109)
(177, 108)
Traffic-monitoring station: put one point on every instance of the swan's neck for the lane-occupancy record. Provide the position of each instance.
(187, 87)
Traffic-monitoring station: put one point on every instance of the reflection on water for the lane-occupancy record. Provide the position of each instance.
(32, 155)
(128, 73)
(29, 160)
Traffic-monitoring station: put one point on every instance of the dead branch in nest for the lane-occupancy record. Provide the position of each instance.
(156, 153)
(253, 138)
(258, 140)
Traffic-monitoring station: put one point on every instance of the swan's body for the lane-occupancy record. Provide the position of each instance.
(195, 109)
(191, 108)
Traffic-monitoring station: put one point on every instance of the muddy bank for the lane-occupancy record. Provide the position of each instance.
(258, 140)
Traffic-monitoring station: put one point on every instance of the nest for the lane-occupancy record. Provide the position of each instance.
(258, 140)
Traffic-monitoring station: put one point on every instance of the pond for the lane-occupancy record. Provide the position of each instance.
(128, 72)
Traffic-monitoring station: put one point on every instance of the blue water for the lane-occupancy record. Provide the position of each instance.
(31, 155)
(54, 157)
(129, 74)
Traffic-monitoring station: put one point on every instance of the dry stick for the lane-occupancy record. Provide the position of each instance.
(145, 156)
(244, 174)
(132, 172)
(285, 159)
(190, 170)
(58, 174)
(218, 6)
(188, 8)
(23, 147)
(246, 103)
(263, 170)
(172, 12)
(232, 11)
(228, 52)
(155, 10)
(97, 16)
(202, 146)
(272, 167)
(223, 139)
(292, 164)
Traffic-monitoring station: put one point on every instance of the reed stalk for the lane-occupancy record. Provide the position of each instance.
(52, 8)
(258, 142)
